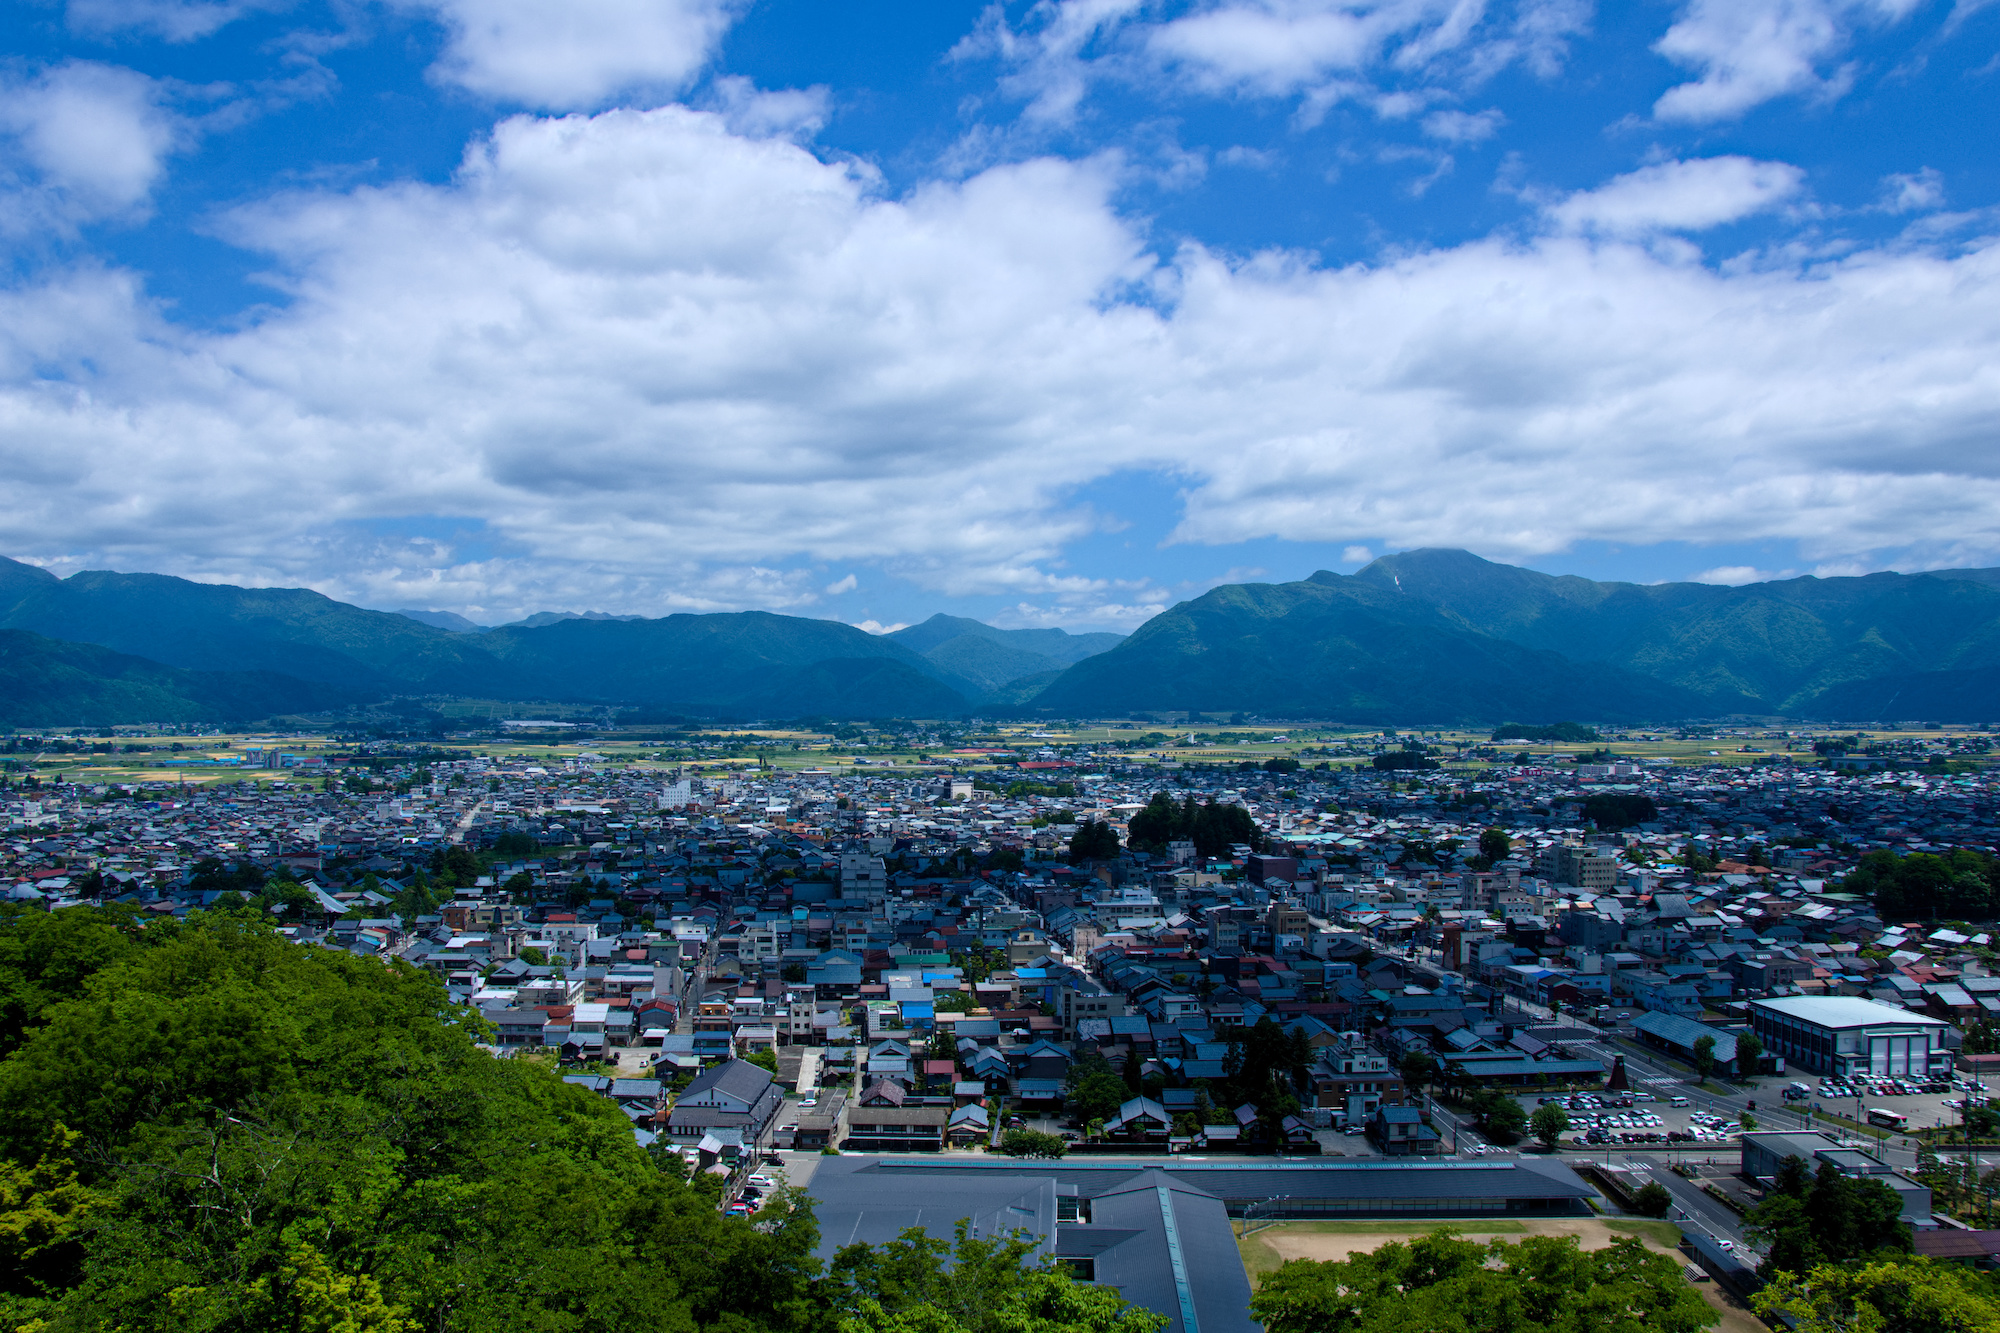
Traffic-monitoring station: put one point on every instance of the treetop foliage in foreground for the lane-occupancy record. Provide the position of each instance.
(1886, 1296)
(206, 1128)
(1443, 1283)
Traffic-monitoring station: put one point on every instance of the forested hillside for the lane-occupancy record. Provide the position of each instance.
(207, 1127)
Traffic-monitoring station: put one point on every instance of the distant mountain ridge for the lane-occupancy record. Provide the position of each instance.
(1434, 636)
(993, 659)
(748, 663)
(1444, 635)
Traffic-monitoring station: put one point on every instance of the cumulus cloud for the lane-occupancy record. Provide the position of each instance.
(578, 53)
(85, 141)
(1679, 196)
(1750, 51)
(674, 367)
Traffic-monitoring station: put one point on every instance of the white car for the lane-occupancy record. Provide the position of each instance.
(808, 1101)
(762, 1181)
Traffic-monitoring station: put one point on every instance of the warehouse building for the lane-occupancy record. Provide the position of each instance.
(1844, 1036)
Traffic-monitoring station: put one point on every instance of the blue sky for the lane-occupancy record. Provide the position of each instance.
(1047, 313)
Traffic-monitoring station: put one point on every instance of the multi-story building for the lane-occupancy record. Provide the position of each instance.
(1847, 1035)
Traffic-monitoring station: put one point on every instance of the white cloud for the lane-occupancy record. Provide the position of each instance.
(1735, 576)
(1918, 191)
(575, 54)
(1322, 51)
(1750, 51)
(839, 586)
(877, 627)
(1463, 126)
(660, 366)
(793, 113)
(1679, 196)
(174, 20)
(1356, 555)
(86, 141)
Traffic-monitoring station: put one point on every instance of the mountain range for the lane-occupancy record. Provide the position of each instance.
(1423, 636)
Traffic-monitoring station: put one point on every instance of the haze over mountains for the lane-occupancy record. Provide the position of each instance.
(1433, 636)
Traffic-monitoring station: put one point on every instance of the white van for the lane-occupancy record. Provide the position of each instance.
(1677, 1101)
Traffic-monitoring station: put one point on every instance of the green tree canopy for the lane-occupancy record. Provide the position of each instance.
(1032, 1143)
(921, 1284)
(1444, 1282)
(1812, 1219)
(1212, 827)
(1619, 809)
(1958, 886)
(1886, 1296)
(1548, 1124)
(204, 1126)
(1093, 841)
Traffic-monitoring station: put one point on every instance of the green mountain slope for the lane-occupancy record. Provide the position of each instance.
(1970, 696)
(1348, 651)
(851, 687)
(988, 665)
(49, 683)
(217, 627)
(706, 660)
(1771, 647)
(1059, 646)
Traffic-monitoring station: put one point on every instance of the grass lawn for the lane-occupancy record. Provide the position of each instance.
(1664, 1234)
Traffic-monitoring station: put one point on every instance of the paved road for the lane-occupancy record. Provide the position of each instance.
(1694, 1209)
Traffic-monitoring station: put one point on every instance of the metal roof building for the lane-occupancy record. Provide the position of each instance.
(1158, 1229)
(1844, 1036)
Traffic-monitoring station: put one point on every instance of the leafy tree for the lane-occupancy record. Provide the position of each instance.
(1444, 1282)
(1574, 733)
(258, 1135)
(1417, 1067)
(1704, 1056)
(1494, 844)
(1212, 828)
(1549, 1124)
(1619, 809)
(1032, 1143)
(920, 1284)
(515, 844)
(1281, 764)
(534, 956)
(1913, 1294)
(766, 1059)
(1095, 1089)
(1653, 1199)
(1499, 1116)
(794, 972)
(1093, 841)
(1749, 1052)
(1958, 886)
(1809, 1219)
